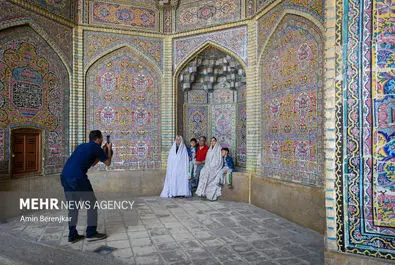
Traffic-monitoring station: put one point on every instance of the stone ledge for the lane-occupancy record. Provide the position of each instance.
(148, 182)
(240, 191)
(300, 204)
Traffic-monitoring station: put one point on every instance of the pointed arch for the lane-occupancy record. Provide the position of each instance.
(229, 110)
(203, 47)
(36, 28)
(51, 109)
(189, 58)
(121, 86)
(285, 13)
(301, 95)
(117, 47)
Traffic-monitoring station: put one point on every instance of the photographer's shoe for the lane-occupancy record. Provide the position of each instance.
(75, 239)
(95, 237)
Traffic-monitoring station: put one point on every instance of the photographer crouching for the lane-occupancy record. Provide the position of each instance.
(77, 186)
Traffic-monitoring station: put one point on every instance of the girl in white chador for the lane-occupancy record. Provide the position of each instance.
(177, 176)
(211, 173)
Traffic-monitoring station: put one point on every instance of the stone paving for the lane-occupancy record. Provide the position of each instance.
(188, 231)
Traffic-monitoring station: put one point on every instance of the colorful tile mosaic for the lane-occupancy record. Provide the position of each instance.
(250, 7)
(221, 96)
(3, 162)
(34, 92)
(167, 20)
(59, 34)
(384, 160)
(197, 14)
(197, 96)
(224, 125)
(97, 43)
(266, 25)
(241, 134)
(145, 2)
(62, 8)
(315, 7)
(124, 15)
(268, 22)
(196, 121)
(234, 39)
(365, 128)
(123, 100)
(292, 84)
(261, 4)
(242, 93)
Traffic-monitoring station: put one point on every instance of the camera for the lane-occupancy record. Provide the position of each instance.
(108, 141)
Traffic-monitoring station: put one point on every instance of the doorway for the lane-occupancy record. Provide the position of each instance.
(25, 151)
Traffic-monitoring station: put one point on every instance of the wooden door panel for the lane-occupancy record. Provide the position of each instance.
(18, 154)
(26, 152)
(31, 152)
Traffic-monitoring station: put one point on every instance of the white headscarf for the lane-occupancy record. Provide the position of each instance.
(177, 182)
(214, 161)
(208, 181)
(182, 150)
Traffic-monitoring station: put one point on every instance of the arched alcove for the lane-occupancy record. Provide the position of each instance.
(123, 100)
(34, 89)
(291, 80)
(211, 101)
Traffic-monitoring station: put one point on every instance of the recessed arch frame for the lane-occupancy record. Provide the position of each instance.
(141, 59)
(119, 46)
(308, 17)
(38, 30)
(188, 59)
(147, 61)
(286, 12)
(27, 22)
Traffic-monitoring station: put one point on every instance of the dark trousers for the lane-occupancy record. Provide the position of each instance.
(195, 178)
(80, 190)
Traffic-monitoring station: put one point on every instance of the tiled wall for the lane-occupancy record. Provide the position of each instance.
(124, 15)
(291, 77)
(363, 68)
(34, 57)
(122, 100)
(62, 8)
(198, 14)
(34, 86)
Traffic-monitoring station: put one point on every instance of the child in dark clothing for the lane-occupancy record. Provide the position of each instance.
(192, 158)
(227, 168)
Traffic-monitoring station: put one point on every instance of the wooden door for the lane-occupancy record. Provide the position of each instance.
(25, 151)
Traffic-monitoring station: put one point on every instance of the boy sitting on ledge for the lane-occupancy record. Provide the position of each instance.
(227, 168)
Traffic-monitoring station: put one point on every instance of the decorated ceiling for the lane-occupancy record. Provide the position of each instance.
(168, 16)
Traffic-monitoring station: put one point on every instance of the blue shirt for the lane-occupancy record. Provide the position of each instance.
(192, 152)
(82, 159)
(228, 162)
